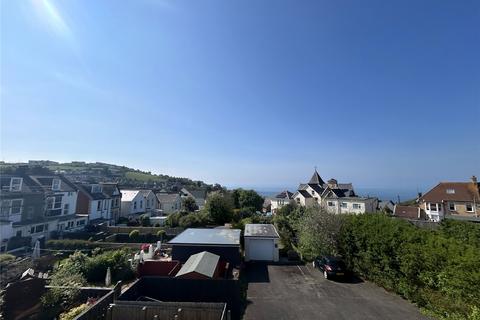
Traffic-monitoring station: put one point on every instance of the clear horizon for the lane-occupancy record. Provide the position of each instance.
(246, 93)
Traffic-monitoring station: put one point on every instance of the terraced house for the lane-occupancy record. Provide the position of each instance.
(456, 200)
(101, 202)
(335, 197)
(34, 205)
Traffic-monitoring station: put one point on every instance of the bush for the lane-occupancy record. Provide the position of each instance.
(161, 234)
(74, 312)
(6, 257)
(18, 242)
(145, 220)
(134, 234)
(437, 269)
(65, 297)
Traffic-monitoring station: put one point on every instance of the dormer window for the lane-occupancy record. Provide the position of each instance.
(16, 184)
(96, 188)
(56, 184)
(450, 191)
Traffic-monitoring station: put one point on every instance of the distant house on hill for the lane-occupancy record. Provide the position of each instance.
(455, 200)
(281, 200)
(335, 197)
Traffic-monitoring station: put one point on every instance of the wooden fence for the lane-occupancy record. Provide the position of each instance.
(99, 310)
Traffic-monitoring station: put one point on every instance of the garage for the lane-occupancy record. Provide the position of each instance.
(261, 242)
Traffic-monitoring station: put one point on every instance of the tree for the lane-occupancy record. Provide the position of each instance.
(247, 199)
(189, 204)
(145, 220)
(219, 208)
(319, 232)
(70, 283)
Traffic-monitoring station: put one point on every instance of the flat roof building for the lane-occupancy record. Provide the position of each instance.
(261, 242)
(222, 242)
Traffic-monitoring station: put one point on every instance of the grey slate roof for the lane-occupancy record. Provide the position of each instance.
(284, 195)
(316, 179)
(167, 197)
(305, 193)
(226, 237)
(87, 189)
(317, 188)
(203, 263)
(261, 230)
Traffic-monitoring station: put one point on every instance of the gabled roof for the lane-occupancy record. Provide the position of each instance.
(129, 195)
(284, 195)
(453, 191)
(167, 197)
(109, 188)
(87, 189)
(204, 263)
(304, 193)
(46, 182)
(318, 189)
(316, 179)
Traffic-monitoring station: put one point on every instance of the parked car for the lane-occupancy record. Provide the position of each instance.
(330, 266)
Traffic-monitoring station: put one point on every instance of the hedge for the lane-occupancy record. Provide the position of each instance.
(439, 270)
(70, 244)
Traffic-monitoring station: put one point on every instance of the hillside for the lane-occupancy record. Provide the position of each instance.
(80, 171)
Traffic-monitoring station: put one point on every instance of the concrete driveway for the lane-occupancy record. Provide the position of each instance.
(301, 292)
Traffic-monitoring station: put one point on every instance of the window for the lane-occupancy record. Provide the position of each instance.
(433, 207)
(135, 205)
(50, 202)
(357, 206)
(39, 228)
(469, 207)
(58, 202)
(116, 202)
(105, 205)
(32, 230)
(450, 191)
(343, 205)
(80, 222)
(16, 206)
(451, 206)
(331, 204)
(5, 211)
(96, 188)
(56, 184)
(16, 184)
(141, 204)
(112, 203)
(66, 207)
(99, 205)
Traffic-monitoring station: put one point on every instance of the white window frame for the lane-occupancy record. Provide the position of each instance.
(344, 205)
(57, 204)
(466, 207)
(16, 186)
(12, 206)
(331, 203)
(450, 191)
(66, 208)
(52, 199)
(357, 206)
(56, 183)
(450, 204)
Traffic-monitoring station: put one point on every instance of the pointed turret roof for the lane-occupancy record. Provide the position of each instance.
(316, 179)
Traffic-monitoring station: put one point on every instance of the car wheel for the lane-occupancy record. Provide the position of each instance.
(325, 274)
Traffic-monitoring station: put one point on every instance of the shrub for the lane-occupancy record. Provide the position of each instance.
(161, 234)
(63, 296)
(74, 312)
(18, 242)
(144, 220)
(134, 234)
(6, 257)
(437, 269)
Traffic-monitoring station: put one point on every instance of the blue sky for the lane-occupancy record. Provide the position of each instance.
(246, 93)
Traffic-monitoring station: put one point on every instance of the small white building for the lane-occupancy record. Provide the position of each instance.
(138, 202)
(261, 242)
(280, 200)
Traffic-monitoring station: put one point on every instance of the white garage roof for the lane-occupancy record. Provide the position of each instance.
(261, 231)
